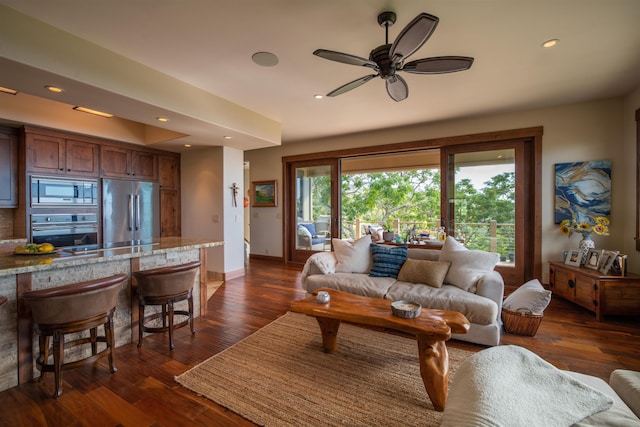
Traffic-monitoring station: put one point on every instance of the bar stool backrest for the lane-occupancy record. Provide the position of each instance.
(71, 303)
(166, 280)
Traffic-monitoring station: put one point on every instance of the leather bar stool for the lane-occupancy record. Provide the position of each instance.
(71, 309)
(164, 287)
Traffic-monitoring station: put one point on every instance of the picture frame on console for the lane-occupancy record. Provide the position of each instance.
(608, 257)
(264, 193)
(573, 258)
(593, 258)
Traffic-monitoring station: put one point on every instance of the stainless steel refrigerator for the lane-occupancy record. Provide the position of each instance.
(130, 211)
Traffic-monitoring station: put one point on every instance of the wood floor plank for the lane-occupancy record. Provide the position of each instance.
(143, 391)
(120, 410)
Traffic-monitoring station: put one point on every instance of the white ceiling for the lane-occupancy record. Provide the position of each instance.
(208, 44)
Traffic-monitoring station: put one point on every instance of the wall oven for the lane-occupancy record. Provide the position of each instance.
(79, 230)
(63, 192)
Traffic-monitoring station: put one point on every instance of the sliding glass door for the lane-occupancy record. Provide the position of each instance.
(485, 202)
(312, 209)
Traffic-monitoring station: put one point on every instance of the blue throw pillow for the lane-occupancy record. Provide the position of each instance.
(387, 261)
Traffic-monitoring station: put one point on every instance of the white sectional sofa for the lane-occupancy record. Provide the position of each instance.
(511, 386)
(469, 284)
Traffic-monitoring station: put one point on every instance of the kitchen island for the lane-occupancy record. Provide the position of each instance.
(19, 273)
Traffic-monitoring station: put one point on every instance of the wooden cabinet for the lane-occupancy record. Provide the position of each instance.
(53, 155)
(120, 162)
(170, 223)
(603, 295)
(170, 172)
(8, 169)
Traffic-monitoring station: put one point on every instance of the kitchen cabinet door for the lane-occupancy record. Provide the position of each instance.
(51, 155)
(170, 172)
(8, 170)
(118, 162)
(144, 165)
(81, 158)
(170, 224)
(45, 154)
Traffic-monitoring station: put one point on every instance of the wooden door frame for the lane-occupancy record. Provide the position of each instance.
(533, 268)
(291, 253)
(521, 271)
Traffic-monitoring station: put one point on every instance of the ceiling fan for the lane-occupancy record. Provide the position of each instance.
(387, 59)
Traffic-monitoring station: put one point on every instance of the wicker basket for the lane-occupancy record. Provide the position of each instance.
(521, 321)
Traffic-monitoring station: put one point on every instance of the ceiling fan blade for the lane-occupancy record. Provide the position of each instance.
(438, 65)
(351, 85)
(412, 37)
(345, 58)
(397, 88)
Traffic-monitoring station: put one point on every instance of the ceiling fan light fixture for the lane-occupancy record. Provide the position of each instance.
(265, 59)
(387, 59)
(318, 96)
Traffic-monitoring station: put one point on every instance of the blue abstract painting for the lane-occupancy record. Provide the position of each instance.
(583, 190)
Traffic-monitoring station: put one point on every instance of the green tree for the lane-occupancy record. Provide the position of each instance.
(412, 195)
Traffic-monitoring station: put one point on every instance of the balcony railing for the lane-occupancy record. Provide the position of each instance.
(490, 236)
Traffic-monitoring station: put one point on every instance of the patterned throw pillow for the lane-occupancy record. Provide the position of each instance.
(387, 261)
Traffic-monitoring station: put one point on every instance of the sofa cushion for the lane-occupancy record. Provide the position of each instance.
(477, 309)
(467, 266)
(431, 273)
(387, 261)
(352, 257)
(627, 384)
(357, 284)
(531, 296)
(619, 415)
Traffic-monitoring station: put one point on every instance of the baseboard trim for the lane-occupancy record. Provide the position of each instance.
(267, 258)
(215, 275)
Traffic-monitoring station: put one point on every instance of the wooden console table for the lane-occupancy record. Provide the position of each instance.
(603, 295)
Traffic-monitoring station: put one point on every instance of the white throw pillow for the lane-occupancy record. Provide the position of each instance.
(531, 296)
(467, 266)
(352, 257)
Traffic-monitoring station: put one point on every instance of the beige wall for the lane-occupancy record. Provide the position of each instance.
(207, 208)
(575, 132)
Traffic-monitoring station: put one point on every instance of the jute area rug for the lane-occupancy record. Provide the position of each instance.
(280, 376)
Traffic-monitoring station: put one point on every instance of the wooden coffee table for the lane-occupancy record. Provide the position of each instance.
(431, 329)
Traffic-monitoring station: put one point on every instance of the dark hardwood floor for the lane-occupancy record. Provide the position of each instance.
(143, 391)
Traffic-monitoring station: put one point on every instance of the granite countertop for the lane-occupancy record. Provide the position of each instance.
(15, 264)
(13, 241)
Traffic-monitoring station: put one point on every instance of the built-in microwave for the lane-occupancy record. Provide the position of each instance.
(47, 191)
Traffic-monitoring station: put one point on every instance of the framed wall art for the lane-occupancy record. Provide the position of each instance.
(582, 190)
(264, 193)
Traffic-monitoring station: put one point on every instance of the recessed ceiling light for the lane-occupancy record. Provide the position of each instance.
(162, 119)
(318, 96)
(227, 137)
(54, 89)
(9, 91)
(550, 43)
(94, 112)
(265, 59)
(187, 145)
